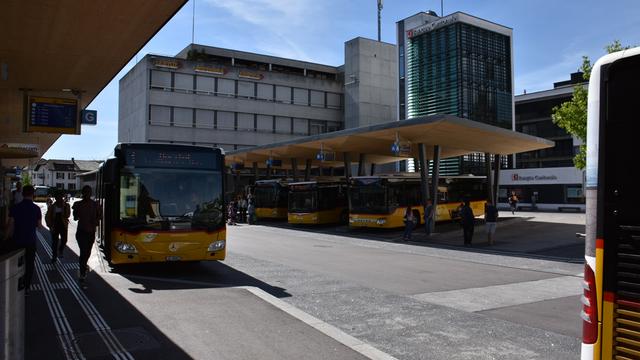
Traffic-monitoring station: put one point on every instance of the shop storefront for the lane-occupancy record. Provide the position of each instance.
(553, 189)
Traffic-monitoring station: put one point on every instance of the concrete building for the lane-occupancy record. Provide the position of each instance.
(458, 65)
(61, 174)
(370, 73)
(231, 99)
(234, 99)
(545, 178)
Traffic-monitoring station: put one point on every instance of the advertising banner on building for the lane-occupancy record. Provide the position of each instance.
(541, 176)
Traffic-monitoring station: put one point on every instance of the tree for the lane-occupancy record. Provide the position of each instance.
(26, 178)
(572, 115)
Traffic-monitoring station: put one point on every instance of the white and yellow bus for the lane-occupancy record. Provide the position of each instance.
(380, 201)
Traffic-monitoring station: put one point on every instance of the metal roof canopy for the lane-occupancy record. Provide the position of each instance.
(455, 136)
(51, 45)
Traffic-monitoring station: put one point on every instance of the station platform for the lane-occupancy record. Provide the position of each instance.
(115, 318)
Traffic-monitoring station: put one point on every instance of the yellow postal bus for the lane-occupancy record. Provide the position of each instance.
(162, 203)
(380, 201)
(318, 202)
(271, 199)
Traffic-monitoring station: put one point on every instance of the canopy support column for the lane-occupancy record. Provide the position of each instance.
(361, 165)
(294, 169)
(487, 164)
(496, 177)
(435, 178)
(268, 171)
(255, 171)
(307, 170)
(347, 175)
(373, 169)
(424, 177)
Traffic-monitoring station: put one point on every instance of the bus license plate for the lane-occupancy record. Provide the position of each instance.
(173, 258)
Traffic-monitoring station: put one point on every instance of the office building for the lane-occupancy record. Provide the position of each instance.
(545, 178)
(458, 65)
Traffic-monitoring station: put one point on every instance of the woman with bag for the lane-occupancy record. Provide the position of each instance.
(57, 219)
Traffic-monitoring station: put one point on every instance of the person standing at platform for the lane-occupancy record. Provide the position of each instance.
(513, 202)
(16, 195)
(467, 221)
(428, 216)
(491, 220)
(409, 223)
(57, 220)
(88, 213)
(24, 218)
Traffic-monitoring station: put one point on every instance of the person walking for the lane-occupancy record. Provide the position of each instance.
(467, 221)
(16, 195)
(232, 212)
(491, 220)
(251, 210)
(24, 218)
(57, 219)
(513, 202)
(428, 216)
(409, 223)
(88, 213)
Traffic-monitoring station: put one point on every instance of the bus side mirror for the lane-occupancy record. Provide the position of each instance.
(110, 171)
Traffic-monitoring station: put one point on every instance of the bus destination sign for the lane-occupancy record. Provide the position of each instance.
(52, 115)
(165, 158)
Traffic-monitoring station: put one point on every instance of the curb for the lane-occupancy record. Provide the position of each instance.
(327, 329)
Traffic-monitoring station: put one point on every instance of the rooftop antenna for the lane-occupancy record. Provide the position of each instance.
(441, 7)
(379, 11)
(193, 23)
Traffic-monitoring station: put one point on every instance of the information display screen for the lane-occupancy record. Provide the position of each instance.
(53, 115)
(172, 158)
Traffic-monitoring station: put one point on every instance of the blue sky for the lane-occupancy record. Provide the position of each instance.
(549, 36)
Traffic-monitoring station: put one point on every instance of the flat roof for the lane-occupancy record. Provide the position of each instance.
(456, 136)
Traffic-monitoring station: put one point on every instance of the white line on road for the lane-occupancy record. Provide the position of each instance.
(116, 349)
(498, 296)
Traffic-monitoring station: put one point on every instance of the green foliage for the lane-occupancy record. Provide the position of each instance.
(26, 179)
(572, 115)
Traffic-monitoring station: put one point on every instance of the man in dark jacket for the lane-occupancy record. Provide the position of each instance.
(467, 221)
(24, 218)
(88, 213)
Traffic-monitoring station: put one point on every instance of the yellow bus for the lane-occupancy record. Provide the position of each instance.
(161, 203)
(380, 201)
(318, 202)
(611, 296)
(270, 198)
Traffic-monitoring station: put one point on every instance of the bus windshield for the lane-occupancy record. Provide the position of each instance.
(301, 201)
(369, 197)
(159, 197)
(41, 191)
(270, 196)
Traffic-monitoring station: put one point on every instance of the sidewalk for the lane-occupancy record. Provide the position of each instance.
(112, 319)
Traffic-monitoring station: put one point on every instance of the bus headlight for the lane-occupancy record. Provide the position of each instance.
(381, 221)
(216, 246)
(126, 248)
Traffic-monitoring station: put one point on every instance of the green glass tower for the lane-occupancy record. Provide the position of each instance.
(457, 65)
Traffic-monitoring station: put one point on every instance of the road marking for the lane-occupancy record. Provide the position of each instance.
(498, 296)
(63, 328)
(116, 349)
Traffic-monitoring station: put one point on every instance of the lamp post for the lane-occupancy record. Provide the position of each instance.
(379, 11)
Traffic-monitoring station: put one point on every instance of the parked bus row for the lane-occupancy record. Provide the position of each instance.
(367, 201)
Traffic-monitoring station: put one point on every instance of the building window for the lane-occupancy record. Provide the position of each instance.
(159, 115)
(60, 175)
(71, 186)
(161, 80)
(72, 176)
(60, 186)
(183, 83)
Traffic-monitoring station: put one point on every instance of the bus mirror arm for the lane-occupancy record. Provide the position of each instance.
(580, 235)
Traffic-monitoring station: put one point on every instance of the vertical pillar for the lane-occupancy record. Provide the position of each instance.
(373, 169)
(331, 171)
(487, 165)
(294, 169)
(255, 171)
(435, 178)
(268, 171)
(307, 170)
(361, 165)
(496, 176)
(347, 175)
(424, 175)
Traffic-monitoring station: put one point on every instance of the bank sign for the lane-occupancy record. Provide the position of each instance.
(542, 176)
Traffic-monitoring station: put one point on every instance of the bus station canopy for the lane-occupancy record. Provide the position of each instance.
(455, 136)
(65, 49)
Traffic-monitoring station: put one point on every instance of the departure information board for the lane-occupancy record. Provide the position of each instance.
(52, 115)
(165, 157)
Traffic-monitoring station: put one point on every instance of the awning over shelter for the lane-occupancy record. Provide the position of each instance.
(454, 135)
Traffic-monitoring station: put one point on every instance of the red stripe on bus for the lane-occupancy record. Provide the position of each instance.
(599, 243)
(629, 303)
(609, 296)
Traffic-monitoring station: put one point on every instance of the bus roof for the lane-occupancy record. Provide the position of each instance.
(415, 175)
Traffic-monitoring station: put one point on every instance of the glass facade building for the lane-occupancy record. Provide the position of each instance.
(456, 65)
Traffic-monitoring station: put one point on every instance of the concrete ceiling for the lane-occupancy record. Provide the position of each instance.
(456, 136)
(51, 45)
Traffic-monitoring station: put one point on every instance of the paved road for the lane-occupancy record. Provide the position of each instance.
(409, 300)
